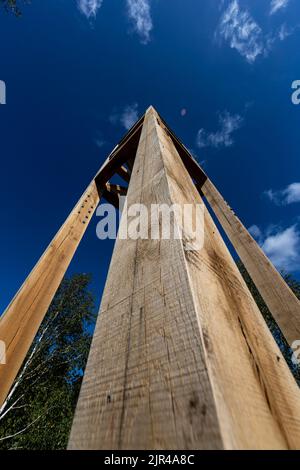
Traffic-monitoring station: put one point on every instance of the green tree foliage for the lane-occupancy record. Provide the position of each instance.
(294, 284)
(40, 410)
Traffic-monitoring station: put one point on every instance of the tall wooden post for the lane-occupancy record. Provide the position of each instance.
(281, 301)
(181, 357)
(22, 318)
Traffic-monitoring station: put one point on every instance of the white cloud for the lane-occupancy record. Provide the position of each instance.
(127, 117)
(289, 195)
(277, 5)
(284, 32)
(140, 16)
(100, 143)
(255, 231)
(281, 246)
(223, 137)
(89, 8)
(241, 31)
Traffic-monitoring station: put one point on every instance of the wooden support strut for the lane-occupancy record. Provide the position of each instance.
(130, 163)
(281, 301)
(279, 298)
(112, 193)
(22, 318)
(116, 189)
(181, 357)
(124, 173)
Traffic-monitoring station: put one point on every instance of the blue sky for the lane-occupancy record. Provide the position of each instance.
(78, 73)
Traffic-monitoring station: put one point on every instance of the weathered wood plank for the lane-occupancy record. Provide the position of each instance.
(146, 385)
(124, 173)
(257, 398)
(281, 301)
(181, 358)
(21, 320)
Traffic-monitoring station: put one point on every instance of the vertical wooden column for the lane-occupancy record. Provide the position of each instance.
(21, 320)
(281, 301)
(181, 358)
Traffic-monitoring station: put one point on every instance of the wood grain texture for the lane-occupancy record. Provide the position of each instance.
(145, 384)
(281, 301)
(256, 395)
(181, 358)
(21, 320)
(279, 298)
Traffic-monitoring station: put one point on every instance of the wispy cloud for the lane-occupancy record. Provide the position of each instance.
(89, 8)
(99, 142)
(139, 14)
(256, 232)
(285, 31)
(223, 137)
(126, 117)
(283, 197)
(277, 5)
(282, 246)
(240, 30)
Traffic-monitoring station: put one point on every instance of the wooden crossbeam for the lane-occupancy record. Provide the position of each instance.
(112, 193)
(181, 357)
(124, 173)
(116, 189)
(120, 154)
(111, 198)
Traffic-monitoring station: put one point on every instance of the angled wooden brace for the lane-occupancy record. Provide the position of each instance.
(279, 298)
(22, 318)
(124, 173)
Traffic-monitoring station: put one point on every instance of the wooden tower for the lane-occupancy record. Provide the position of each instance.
(181, 357)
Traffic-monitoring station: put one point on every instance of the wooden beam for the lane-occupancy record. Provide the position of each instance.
(130, 163)
(195, 171)
(124, 173)
(22, 318)
(111, 198)
(116, 189)
(279, 298)
(112, 194)
(281, 301)
(181, 357)
(120, 154)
